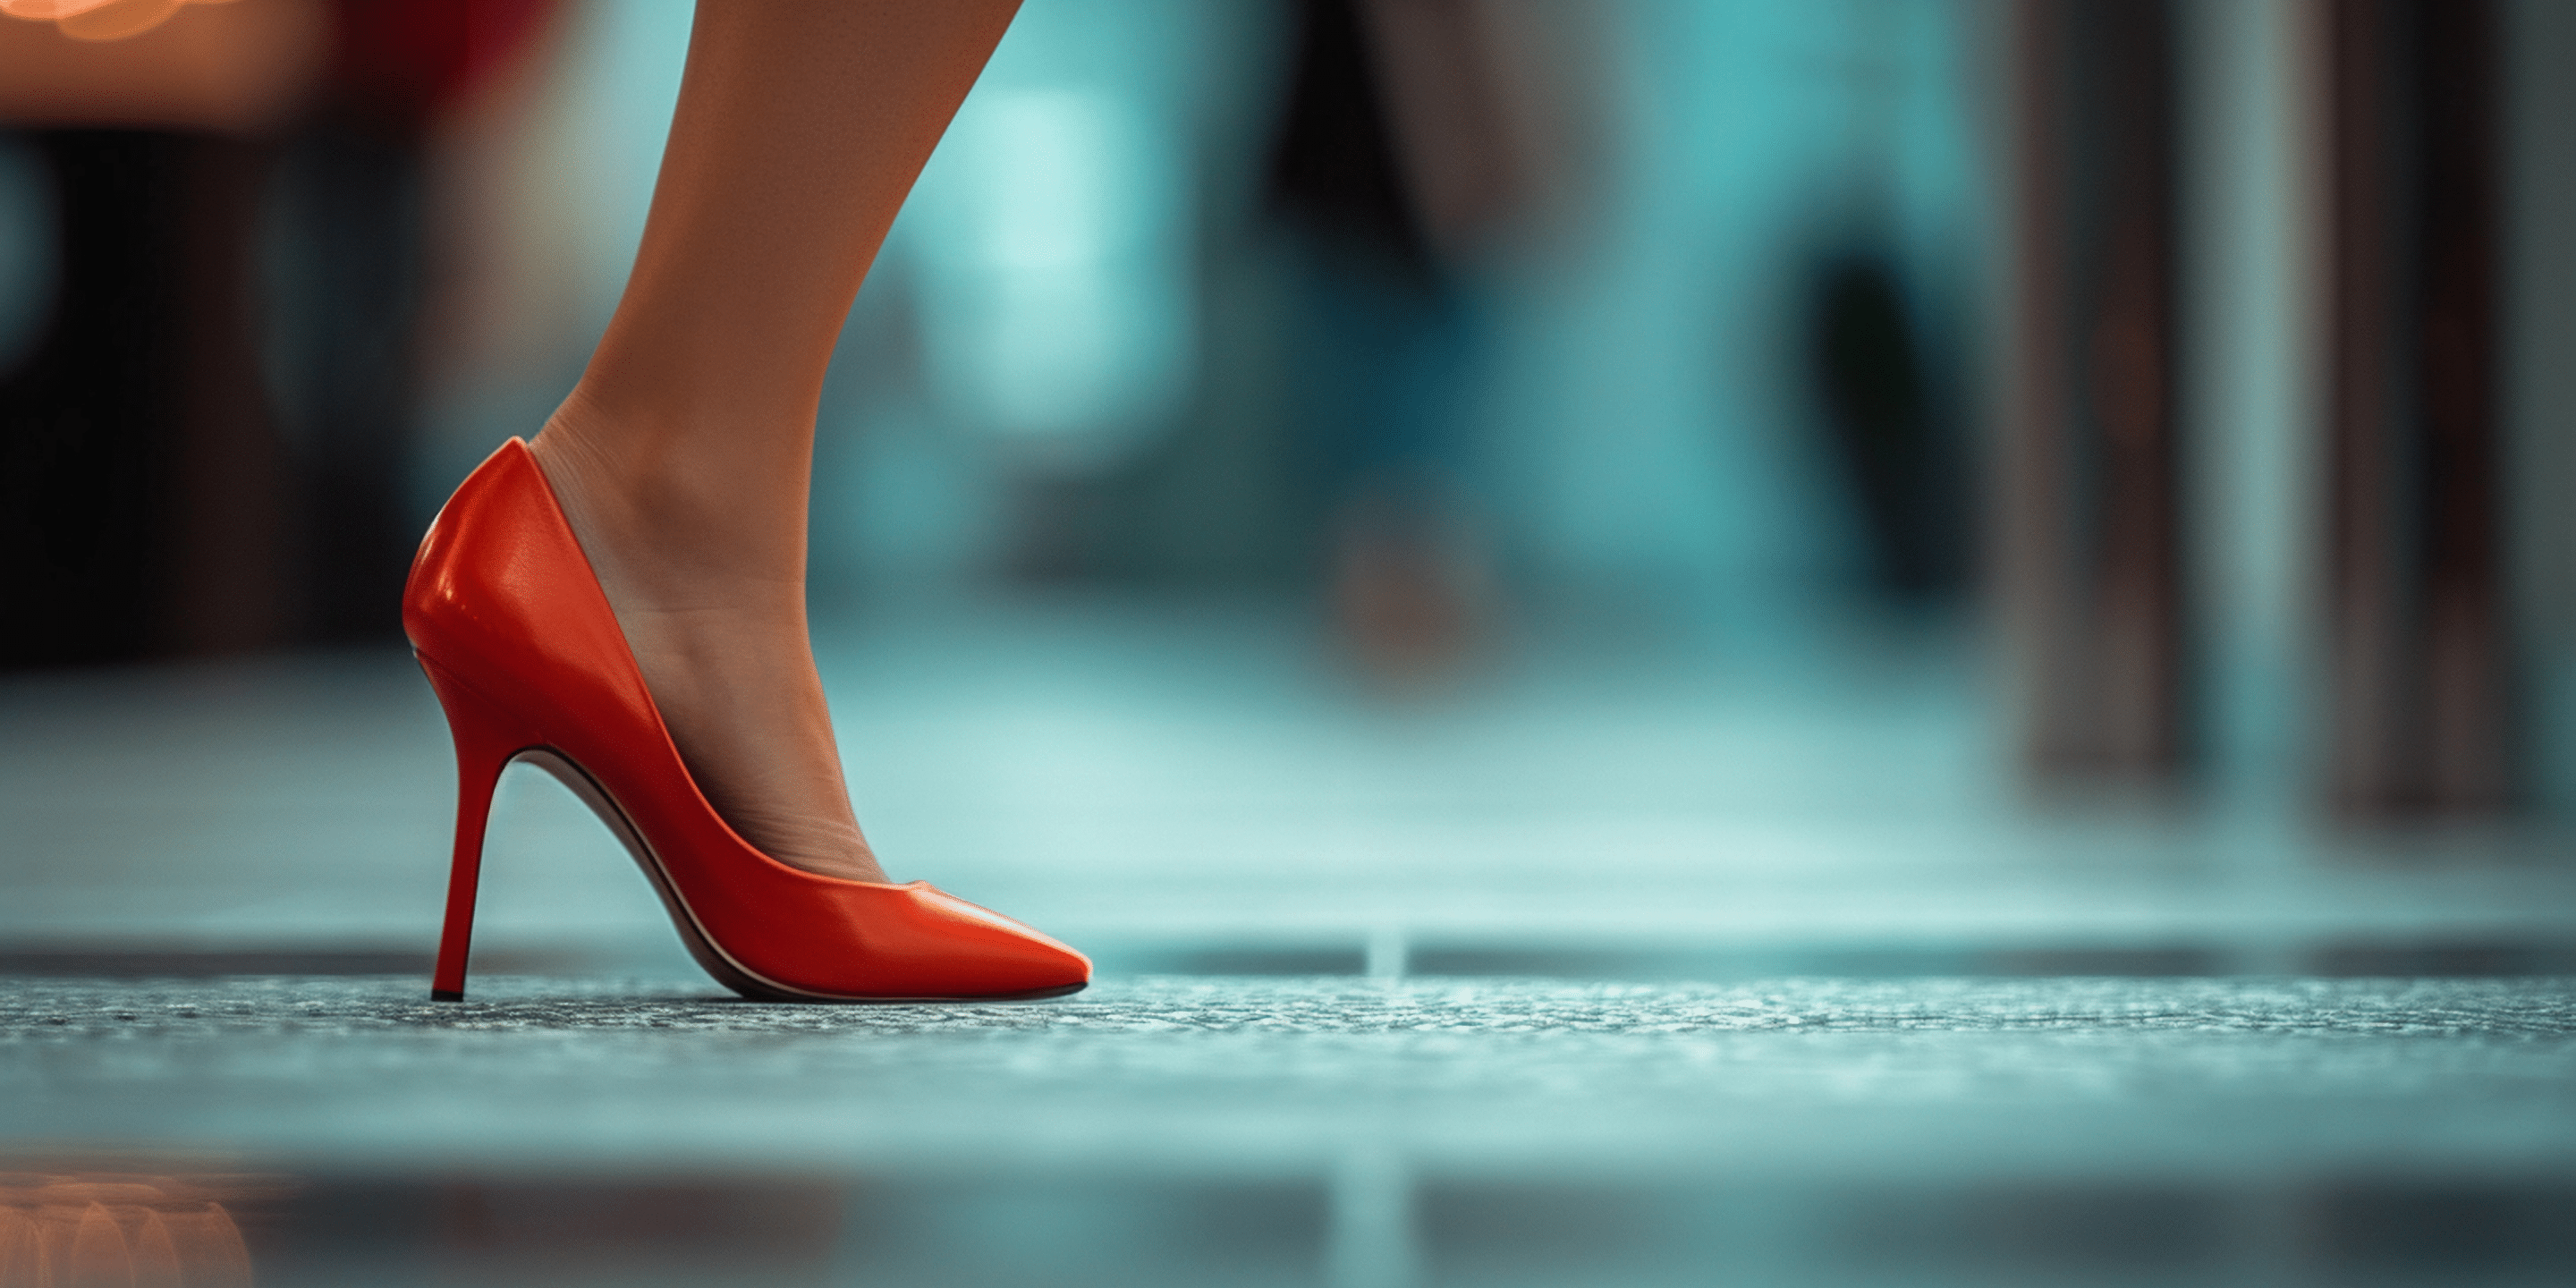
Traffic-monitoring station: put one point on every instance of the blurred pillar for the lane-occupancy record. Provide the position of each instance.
(2252, 327)
(139, 473)
(230, 593)
(2421, 678)
(2537, 389)
(2093, 568)
(352, 195)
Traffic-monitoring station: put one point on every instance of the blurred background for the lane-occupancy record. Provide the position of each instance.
(1386, 489)
(2179, 375)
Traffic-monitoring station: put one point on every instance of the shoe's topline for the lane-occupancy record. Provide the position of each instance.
(510, 624)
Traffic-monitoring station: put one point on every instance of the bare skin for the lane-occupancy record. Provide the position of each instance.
(682, 458)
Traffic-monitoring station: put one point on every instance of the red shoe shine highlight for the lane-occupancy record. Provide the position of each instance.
(517, 638)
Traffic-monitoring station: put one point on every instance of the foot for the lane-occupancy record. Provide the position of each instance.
(1406, 592)
(717, 623)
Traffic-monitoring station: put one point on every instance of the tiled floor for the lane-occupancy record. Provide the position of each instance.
(1613, 965)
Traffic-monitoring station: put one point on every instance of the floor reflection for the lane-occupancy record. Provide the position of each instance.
(93, 1229)
(1362, 1226)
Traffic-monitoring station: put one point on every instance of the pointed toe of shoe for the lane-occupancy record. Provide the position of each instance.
(928, 944)
(994, 956)
(1044, 967)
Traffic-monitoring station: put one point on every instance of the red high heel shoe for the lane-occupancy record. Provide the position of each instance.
(516, 636)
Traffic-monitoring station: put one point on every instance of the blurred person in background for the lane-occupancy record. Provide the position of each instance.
(1402, 161)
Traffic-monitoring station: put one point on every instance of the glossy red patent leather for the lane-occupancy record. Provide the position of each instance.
(516, 636)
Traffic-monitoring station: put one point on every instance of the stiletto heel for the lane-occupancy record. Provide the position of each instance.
(516, 636)
(486, 738)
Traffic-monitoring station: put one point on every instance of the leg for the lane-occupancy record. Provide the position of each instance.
(682, 456)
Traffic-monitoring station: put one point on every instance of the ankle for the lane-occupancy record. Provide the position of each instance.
(657, 512)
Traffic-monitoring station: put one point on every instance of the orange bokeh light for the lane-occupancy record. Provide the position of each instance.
(99, 19)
